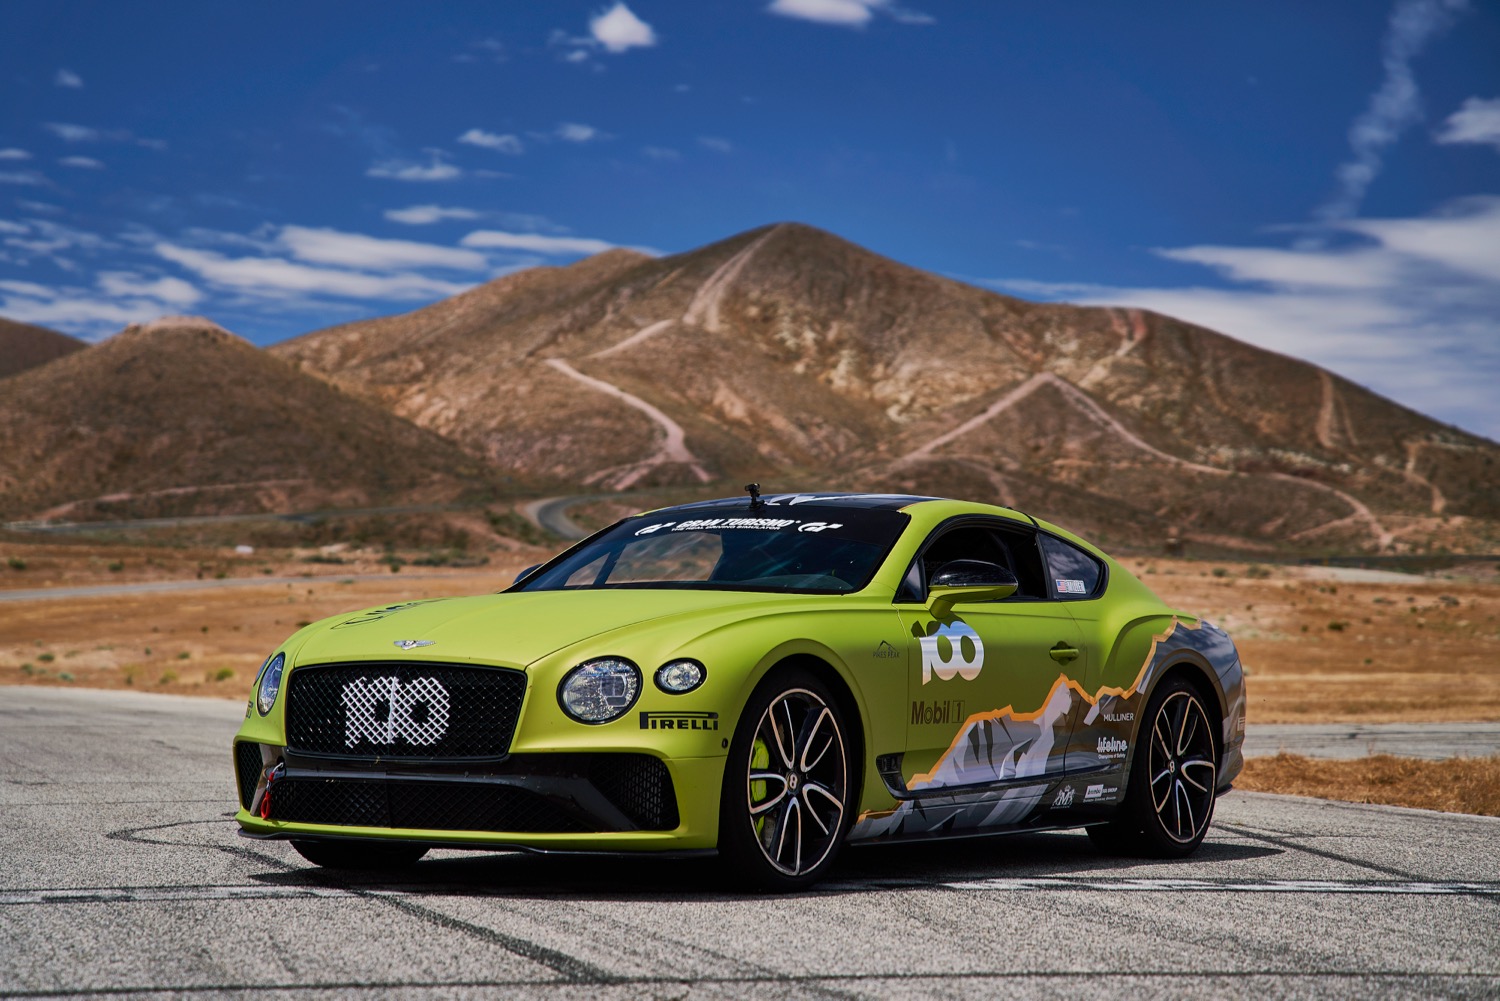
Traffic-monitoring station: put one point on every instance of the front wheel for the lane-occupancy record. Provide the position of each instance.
(1169, 799)
(359, 854)
(787, 788)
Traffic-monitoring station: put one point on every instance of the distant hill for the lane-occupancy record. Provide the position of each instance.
(179, 417)
(789, 355)
(23, 346)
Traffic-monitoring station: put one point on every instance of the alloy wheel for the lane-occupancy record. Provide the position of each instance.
(795, 784)
(1181, 766)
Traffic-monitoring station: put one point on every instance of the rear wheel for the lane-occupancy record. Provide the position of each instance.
(359, 854)
(786, 801)
(1169, 799)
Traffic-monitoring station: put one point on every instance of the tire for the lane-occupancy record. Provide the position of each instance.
(1170, 793)
(787, 786)
(359, 854)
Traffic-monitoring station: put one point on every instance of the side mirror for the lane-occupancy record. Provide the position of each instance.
(525, 573)
(963, 581)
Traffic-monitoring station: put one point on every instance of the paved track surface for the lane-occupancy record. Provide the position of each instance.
(1434, 741)
(122, 875)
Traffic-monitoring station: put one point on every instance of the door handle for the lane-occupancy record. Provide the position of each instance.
(1062, 653)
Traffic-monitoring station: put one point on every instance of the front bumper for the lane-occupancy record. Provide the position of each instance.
(594, 801)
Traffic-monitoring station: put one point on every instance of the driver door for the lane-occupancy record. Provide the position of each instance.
(989, 692)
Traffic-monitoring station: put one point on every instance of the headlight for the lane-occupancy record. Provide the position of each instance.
(270, 683)
(600, 690)
(678, 677)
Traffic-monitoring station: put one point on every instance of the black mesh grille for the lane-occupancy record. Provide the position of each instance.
(639, 785)
(247, 766)
(403, 710)
(434, 806)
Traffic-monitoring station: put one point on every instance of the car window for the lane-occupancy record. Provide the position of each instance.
(1073, 573)
(1015, 550)
(686, 556)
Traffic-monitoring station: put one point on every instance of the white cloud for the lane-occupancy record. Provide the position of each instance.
(500, 142)
(11, 153)
(619, 30)
(1393, 107)
(355, 250)
(74, 133)
(129, 285)
(535, 242)
(21, 177)
(119, 298)
(85, 162)
(6, 226)
(1478, 121)
(660, 153)
(67, 78)
(1409, 311)
(405, 170)
(274, 278)
(423, 215)
(846, 13)
(716, 144)
(577, 132)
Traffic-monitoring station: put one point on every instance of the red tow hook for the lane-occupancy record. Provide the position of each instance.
(265, 799)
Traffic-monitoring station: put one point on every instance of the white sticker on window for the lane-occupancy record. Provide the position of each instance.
(1070, 587)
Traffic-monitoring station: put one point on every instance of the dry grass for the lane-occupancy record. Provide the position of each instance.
(1457, 785)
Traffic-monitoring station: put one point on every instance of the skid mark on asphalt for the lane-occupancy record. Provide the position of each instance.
(1159, 983)
(330, 885)
(569, 967)
(1293, 845)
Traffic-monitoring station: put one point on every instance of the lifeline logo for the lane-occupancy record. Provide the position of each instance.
(946, 711)
(679, 721)
(1113, 746)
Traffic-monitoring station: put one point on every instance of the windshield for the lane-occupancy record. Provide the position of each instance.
(827, 551)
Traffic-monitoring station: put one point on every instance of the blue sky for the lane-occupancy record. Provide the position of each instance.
(1319, 179)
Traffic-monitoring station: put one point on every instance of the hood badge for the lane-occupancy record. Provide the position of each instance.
(411, 644)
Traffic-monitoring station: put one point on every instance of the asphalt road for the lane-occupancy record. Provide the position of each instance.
(1434, 741)
(122, 875)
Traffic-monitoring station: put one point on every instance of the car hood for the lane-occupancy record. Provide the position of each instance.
(514, 629)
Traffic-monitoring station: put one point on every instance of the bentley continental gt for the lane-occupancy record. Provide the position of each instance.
(765, 677)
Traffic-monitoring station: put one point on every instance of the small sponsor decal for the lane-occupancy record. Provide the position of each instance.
(937, 712)
(763, 524)
(818, 526)
(1119, 717)
(1100, 791)
(1070, 587)
(649, 529)
(1063, 799)
(965, 656)
(1113, 747)
(680, 721)
(886, 652)
(376, 614)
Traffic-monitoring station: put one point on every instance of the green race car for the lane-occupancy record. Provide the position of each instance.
(765, 677)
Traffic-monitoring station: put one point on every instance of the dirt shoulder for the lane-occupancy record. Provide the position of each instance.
(1456, 785)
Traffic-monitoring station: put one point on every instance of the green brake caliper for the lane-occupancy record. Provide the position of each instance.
(760, 760)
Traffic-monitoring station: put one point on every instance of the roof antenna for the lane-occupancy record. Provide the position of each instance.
(754, 490)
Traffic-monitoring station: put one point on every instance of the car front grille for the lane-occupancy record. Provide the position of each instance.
(403, 710)
(437, 806)
(247, 766)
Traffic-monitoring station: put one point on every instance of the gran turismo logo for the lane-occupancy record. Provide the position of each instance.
(951, 650)
(386, 710)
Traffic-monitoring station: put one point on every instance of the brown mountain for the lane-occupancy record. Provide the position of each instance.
(791, 356)
(23, 346)
(180, 417)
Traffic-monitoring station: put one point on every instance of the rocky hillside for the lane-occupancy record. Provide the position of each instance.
(791, 356)
(23, 346)
(180, 417)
